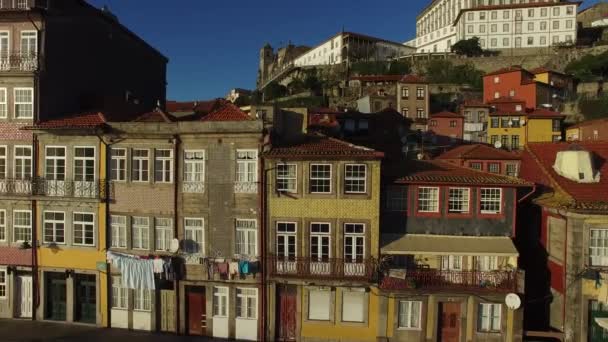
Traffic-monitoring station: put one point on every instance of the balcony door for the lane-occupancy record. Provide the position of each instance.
(286, 247)
(55, 171)
(320, 252)
(84, 172)
(29, 50)
(5, 63)
(354, 249)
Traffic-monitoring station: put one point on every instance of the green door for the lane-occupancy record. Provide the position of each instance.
(86, 299)
(597, 333)
(56, 297)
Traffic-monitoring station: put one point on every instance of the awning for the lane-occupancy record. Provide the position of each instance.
(448, 245)
(602, 322)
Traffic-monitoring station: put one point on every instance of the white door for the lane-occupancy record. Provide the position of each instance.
(220, 312)
(24, 296)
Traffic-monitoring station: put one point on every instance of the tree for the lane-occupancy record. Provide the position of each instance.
(312, 83)
(443, 71)
(274, 90)
(589, 67)
(468, 47)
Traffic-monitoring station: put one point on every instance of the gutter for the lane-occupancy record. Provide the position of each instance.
(528, 195)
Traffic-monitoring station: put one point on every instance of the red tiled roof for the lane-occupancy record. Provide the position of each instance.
(537, 166)
(441, 172)
(446, 114)
(544, 113)
(411, 78)
(506, 70)
(377, 78)
(226, 111)
(319, 146)
(478, 152)
(79, 121)
(504, 99)
(154, 116)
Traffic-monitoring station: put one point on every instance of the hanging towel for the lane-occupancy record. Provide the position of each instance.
(135, 273)
(222, 268)
(233, 268)
(158, 265)
(244, 267)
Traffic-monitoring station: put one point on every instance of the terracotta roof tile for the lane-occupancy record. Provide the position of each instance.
(154, 116)
(226, 111)
(319, 146)
(478, 152)
(544, 113)
(446, 114)
(82, 120)
(411, 78)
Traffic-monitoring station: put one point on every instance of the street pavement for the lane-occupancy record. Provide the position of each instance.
(30, 331)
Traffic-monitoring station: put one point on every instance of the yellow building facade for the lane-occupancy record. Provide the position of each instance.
(514, 130)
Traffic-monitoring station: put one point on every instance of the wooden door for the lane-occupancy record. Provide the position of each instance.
(167, 307)
(24, 296)
(197, 317)
(449, 322)
(286, 313)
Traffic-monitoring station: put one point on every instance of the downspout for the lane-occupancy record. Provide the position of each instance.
(176, 143)
(35, 299)
(107, 187)
(528, 195)
(262, 207)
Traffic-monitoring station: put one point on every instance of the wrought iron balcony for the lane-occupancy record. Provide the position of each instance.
(313, 268)
(245, 187)
(54, 188)
(17, 61)
(11, 5)
(439, 280)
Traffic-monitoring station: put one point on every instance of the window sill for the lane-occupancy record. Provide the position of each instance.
(121, 309)
(143, 311)
(408, 329)
(245, 318)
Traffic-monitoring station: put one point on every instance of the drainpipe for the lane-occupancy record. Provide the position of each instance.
(262, 208)
(35, 287)
(176, 143)
(106, 188)
(528, 195)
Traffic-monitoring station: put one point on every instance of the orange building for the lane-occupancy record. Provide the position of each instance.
(446, 127)
(516, 82)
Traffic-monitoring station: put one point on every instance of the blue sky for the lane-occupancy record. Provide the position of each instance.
(213, 45)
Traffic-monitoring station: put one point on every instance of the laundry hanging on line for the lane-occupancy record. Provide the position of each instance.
(136, 273)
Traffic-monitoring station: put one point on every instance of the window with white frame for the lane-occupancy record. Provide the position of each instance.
(355, 176)
(488, 317)
(4, 50)
(23, 162)
(354, 242)
(494, 167)
(119, 231)
(84, 164)
(287, 240)
(54, 227)
(319, 304)
(320, 178)
(3, 162)
(490, 200)
(29, 43)
(287, 177)
(598, 247)
(396, 198)
(451, 262)
(120, 294)
(353, 306)
(142, 300)
(486, 263)
(428, 200)
(140, 227)
(194, 229)
(220, 301)
(2, 225)
(194, 171)
(22, 225)
(3, 283)
(246, 237)
(163, 228)
(24, 103)
(163, 166)
(458, 200)
(118, 168)
(320, 241)
(84, 229)
(246, 303)
(55, 163)
(409, 314)
(140, 167)
(3, 103)
(512, 170)
(246, 166)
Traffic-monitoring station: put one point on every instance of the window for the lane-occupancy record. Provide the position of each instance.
(512, 170)
(494, 167)
(84, 229)
(494, 15)
(320, 240)
(54, 227)
(543, 25)
(555, 39)
(119, 164)
(246, 303)
(451, 262)
(555, 11)
(164, 233)
(140, 168)
(55, 163)
(490, 201)
(84, 164)
(493, 42)
(428, 200)
(23, 162)
(3, 162)
(354, 242)
(493, 28)
(220, 302)
(420, 93)
(3, 103)
(163, 166)
(405, 92)
(194, 229)
(598, 247)
(569, 24)
(119, 231)
(320, 178)
(287, 240)
(141, 232)
(3, 283)
(486, 263)
(396, 198)
(246, 237)
(496, 79)
(504, 140)
(488, 319)
(475, 166)
(458, 200)
(556, 125)
(24, 103)
(29, 43)
(142, 300)
(246, 166)
(515, 142)
(493, 139)
(409, 314)
(505, 27)
(194, 171)
(355, 178)
(287, 177)
(496, 94)
(505, 42)
(2, 225)
(22, 225)
(120, 294)
(470, 16)
(531, 12)
(505, 14)
(353, 306)
(482, 28)
(319, 305)
(543, 12)
(482, 15)
(570, 10)
(452, 123)
(556, 25)
(494, 122)
(530, 40)
(420, 113)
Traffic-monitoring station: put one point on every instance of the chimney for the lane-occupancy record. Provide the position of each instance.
(577, 166)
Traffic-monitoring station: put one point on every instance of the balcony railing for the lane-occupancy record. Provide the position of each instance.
(492, 281)
(245, 187)
(54, 188)
(311, 268)
(6, 5)
(19, 62)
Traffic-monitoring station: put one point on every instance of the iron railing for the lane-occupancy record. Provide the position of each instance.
(17, 61)
(331, 268)
(494, 281)
(96, 189)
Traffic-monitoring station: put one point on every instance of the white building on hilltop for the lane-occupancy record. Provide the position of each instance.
(438, 26)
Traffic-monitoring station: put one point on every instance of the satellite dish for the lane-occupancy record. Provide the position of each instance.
(174, 247)
(513, 301)
(498, 144)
